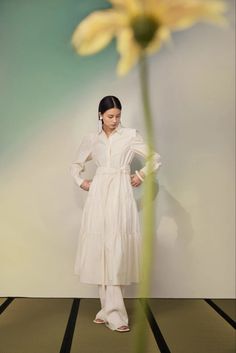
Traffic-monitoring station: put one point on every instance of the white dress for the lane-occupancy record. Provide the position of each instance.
(109, 242)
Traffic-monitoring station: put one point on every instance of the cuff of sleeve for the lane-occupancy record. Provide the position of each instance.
(144, 170)
(75, 174)
(154, 170)
(139, 176)
(79, 180)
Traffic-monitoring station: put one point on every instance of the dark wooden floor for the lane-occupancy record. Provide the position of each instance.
(57, 325)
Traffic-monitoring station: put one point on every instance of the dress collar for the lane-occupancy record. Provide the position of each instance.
(117, 129)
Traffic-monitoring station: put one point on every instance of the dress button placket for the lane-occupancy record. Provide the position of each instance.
(108, 152)
(108, 145)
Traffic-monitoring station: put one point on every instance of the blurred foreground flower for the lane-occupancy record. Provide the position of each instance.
(142, 26)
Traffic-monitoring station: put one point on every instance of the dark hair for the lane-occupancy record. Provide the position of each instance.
(108, 102)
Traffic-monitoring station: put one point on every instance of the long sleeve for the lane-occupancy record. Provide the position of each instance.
(82, 156)
(140, 147)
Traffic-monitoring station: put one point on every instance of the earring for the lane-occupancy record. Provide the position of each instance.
(100, 123)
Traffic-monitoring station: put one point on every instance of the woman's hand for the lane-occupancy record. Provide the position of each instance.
(135, 181)
(86, 184)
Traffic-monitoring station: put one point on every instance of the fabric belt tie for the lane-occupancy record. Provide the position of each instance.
(111, 170)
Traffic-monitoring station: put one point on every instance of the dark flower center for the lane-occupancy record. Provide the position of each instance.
(144, 28)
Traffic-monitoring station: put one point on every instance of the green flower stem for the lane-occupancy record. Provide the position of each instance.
(148, 218)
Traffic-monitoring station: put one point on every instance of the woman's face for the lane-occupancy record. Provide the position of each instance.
(111, 118)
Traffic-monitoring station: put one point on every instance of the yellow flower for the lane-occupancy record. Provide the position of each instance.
(142, 26)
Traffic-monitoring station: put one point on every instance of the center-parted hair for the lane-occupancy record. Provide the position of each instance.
(108, 102)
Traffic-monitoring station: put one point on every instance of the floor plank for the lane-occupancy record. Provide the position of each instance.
(191, 325)
(34, 325)
(2, 300)
(228, 306)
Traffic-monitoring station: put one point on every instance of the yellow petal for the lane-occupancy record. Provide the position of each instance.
(96, 31)
(152, 5)
(181, 14)
(128, 49)
(133, 7)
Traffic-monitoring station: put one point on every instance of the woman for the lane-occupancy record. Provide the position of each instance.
(108, 252)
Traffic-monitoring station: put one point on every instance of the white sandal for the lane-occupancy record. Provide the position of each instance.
(124, 329)
(99, 321)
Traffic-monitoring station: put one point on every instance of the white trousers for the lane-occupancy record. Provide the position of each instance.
(113, 309)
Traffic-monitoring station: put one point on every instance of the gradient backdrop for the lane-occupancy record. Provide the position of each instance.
(48, 101)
